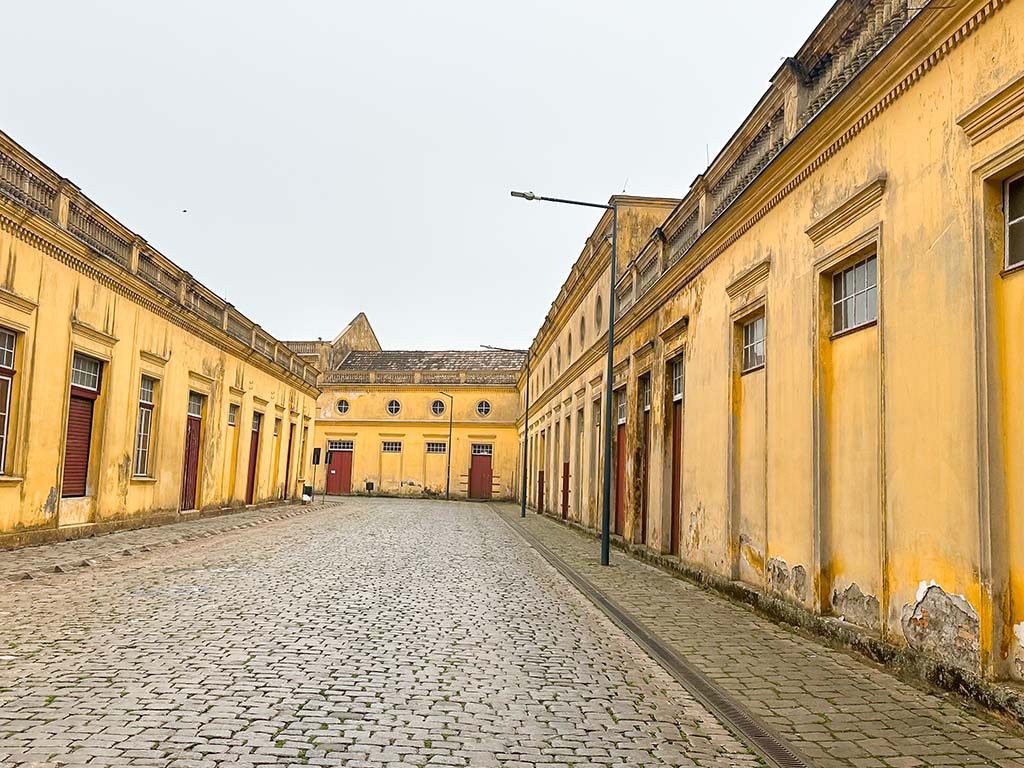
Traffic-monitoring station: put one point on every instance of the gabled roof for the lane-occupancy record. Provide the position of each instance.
(450, 360)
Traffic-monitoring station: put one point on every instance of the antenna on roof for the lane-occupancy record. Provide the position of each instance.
(624, 185)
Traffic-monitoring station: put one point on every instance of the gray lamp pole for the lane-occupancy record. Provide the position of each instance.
(526, 422)
(606, 509)
(448, 471)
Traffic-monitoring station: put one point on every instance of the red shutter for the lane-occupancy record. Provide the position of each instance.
(76, 449)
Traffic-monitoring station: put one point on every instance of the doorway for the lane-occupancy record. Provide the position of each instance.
(254, 455)
(339, 467)
(193, 433)
(481, 477)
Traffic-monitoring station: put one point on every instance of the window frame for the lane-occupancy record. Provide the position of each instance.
(340, 446)
(141, 463)
(620, 406)
(196, 397)
(342, 407)
(98, 374)
(391, 446)
(645, 394)
(750, 363)
(432, 447)
(398, 407)
(1007, 223)
(841, 302)
(7, 373)
(482, 449)
(233, 410)
(434, 407)
(678, 376)
(483, 409)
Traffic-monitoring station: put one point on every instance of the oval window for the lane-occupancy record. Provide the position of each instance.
(437, 407)
(483, 408)
(343, 407)
(394, 407)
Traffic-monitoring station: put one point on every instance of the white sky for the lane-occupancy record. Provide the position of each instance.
(337, 157)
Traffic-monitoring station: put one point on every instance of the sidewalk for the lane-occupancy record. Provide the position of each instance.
(37, 561)
(835, 709)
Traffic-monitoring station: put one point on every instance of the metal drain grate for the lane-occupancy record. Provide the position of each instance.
(744, 725)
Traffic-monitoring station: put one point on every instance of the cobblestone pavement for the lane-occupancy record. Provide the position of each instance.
(33, 562)
(376, 633)
(836, 709)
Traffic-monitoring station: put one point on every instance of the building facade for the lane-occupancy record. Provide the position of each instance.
(128, 391)
(819, 349)
(410, 423)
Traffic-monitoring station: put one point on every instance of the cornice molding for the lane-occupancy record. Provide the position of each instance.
(994, 112)
(860, 203)
(101, 337)
(17, 301)
(154, 358)
(751, 278)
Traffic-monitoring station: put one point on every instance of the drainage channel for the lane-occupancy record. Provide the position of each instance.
(748, 728)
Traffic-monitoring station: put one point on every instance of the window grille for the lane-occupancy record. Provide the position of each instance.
(85, 372)
(677, 380)
(645, 393)
(7, 344)
(753, 345)
(437, 408)
(232, 415)
(342, 407)
(1013, 206)
(394, 407)
(195, 404)
(437, 448)
(620, 406)
(144, 431)
(483, 449)
(483, 408)
(257, 421)
(389, 446)
(340, 445)
(855, 295)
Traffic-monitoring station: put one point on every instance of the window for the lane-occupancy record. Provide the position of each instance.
(1013, 207)
(753, 345)
(394, 407)
(389, 446)
(568, 349)
(437, 407)
(558, 359)
(195, 405)
(855, 295)
(340, 445)
(483, 408)
(144, 431)
(232, 415)
(620, 406)
(483, 449)
(583, 331)
(437, 447)
(598, 315)
(677, 380)
(257, 420)
(85, 372)
(342, 407)
(277, 427)
(8, 342)
(645, 393)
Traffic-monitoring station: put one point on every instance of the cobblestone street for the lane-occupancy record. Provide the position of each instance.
(372, 633)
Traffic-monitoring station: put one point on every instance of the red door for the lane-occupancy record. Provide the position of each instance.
(190, 476)
(565, 491)
(339, 473)
(644, 469)
(540, 491)
(480, 477)
(620, 480)
(677, 471)
(76, 448)
(254, 452)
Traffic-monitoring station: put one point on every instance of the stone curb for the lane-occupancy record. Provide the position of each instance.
(75, 564)
(900, 661)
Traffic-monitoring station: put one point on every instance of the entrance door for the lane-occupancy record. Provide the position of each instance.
(254, 454)
(540, 491)
(620, 480)
(565, 490)
(193, 431)
(480, 475)
(288, 462)
(677, 471)
(646, 437)
(339, 468)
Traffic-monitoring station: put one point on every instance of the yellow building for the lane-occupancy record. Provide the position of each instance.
(415, 423)
(129, 393)
(817, 373)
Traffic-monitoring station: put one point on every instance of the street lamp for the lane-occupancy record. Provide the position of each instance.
(448, 469)
(606, 510)
(526, 421)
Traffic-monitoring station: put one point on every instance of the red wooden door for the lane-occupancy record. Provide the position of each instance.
(620, 480)
(339, 473)
(76, 448)
(190, 476)
(565, 490)
(677, 471)
(254, 451)
(645, 469)
(480, 478)
(540, 491)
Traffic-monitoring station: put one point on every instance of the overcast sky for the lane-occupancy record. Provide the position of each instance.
(337, 157)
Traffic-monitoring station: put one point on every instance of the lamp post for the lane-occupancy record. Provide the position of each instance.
(526, 422)
(448, 470)
(606, 486)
